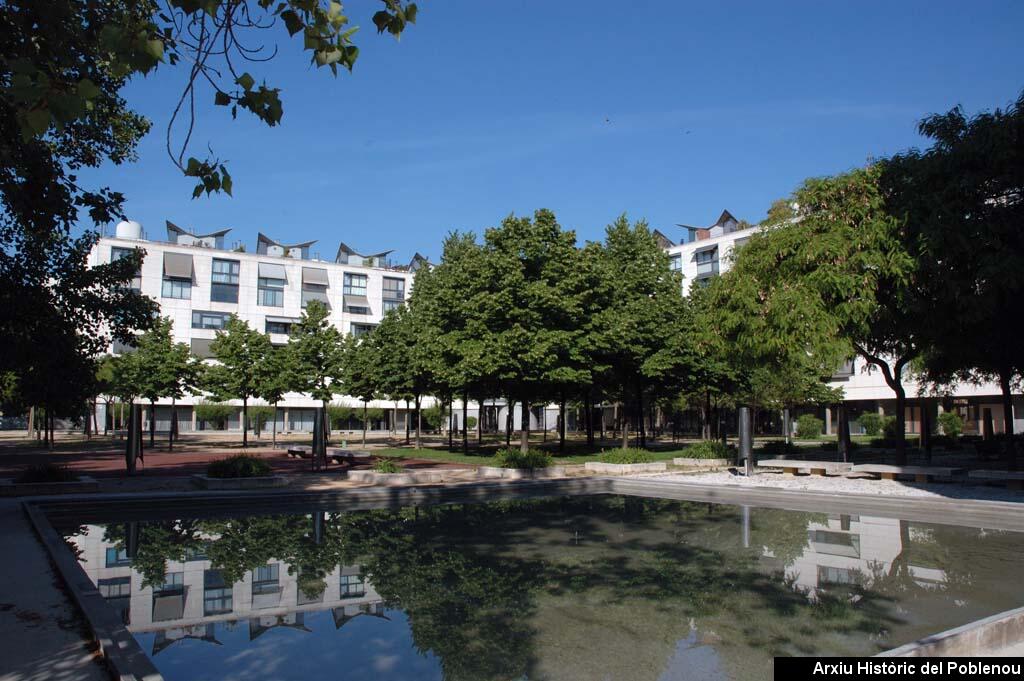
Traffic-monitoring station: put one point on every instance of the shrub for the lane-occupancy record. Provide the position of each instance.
(386, 466)
(340, 416)
(46, 472)
(889, 427)
(779, 448)
(871, 421)
(216, 413)
(259, 416)
(470, 422)
(709, 449)
(238, 466)
(621, 455)
(513, 458)
(433, 417)
(809, 426)
(951, 423)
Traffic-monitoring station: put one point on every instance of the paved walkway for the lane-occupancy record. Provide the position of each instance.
(42, 637)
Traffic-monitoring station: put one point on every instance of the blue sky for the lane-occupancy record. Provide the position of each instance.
(669, 111)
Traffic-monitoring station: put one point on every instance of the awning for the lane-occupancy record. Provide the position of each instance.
(357, 301)
(269, 270)
(201, 347)
(315, 295)
(178, 265)
(168, 608)
(705, 249)
(315, 275)
(283, 320)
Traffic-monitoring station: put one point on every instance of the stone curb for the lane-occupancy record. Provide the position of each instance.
(9, 488)
(206, 482)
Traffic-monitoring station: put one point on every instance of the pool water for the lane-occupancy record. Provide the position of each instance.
(594, 587)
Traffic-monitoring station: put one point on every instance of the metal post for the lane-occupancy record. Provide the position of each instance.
(746, 449)
(746, 527)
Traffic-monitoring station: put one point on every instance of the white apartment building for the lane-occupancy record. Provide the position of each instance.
(709, 251)
(196, 602)
(199, 282)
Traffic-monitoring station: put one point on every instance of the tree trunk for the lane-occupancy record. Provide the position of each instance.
(508, 422)
(364, 424)
(31, 421)
(624, 419)
(642, 435)
(465, 429)
(926, 430)
(245, 422)
(561, 425)
(590, 417)
(706, 426)
(524, 431)
(170, 430)
(894, 379)
(480, 421)
(419, 441)
(1005, 384)
(274, 435)
(152, 423)
(451, 420)
(407, 423)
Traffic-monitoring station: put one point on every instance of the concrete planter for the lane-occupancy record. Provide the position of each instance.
(262, 482)
(625, 468)
(392, 479)
(9, 488)
(701, 463)
(495, 473)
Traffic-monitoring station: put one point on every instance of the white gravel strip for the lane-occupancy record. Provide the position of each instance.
(843, 485)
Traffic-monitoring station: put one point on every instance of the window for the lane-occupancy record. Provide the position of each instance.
(388, 306)
(118, 587)
(393, 292)
(169, 599)
(358, 310)
(177, 288)
(706, 256)
(271, 292)
(209, 320)
(279, 327)
(224, 281)
(394, 289)
(116, 253)
(355, 285)
(264, 579)
(352, 586)
(359, 330)
(676, 262)
(121, 348)
(117, 557)
(217, 594)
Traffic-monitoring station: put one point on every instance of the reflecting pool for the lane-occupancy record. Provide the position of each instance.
(596, 587)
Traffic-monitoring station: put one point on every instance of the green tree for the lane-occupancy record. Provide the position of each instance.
(241, 353)
(961, 200)
(361, 372)
(273, 378)
(316, 355)
(61, 111)
(638, 331)
(803, 296)
(532, 315)
(162, 368)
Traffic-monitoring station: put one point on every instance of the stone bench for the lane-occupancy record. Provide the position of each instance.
(348, 456)
(301, 451)
(1013, 479)
(920, 473)
(791, 466)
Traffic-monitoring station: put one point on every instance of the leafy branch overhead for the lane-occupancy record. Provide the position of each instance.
(211, 39)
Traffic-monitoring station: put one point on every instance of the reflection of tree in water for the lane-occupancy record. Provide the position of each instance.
(472, 578)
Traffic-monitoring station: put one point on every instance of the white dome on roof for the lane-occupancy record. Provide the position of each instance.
(128, 229)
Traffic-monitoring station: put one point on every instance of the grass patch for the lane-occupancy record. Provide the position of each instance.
(238, 466)
(46, 472)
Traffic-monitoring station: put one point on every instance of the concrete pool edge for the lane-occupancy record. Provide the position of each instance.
(988, 635)
(121, 652)
(127, 660)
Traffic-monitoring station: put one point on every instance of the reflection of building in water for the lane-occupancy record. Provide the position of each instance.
(194, 596)
(851, 549)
